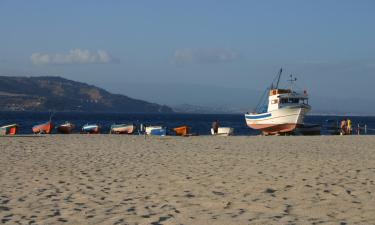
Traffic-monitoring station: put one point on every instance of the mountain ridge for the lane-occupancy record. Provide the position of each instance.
(46, 93)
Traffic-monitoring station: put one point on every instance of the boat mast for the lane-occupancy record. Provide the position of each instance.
(263, 101)
(278, 78)
(51, 115)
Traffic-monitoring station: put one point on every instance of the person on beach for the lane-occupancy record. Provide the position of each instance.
(349, 126)
(215, 126)
(343, 127)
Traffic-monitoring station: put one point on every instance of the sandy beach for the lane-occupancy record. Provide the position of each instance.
(109, 179)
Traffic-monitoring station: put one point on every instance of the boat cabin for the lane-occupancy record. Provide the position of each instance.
(280, 98)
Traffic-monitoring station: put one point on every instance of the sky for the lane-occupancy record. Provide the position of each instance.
(155, 49)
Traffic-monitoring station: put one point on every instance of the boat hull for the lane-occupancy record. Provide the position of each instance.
(91, 129)
(284, 120)
(65, 128)
(182, 131)
(9, 129)
(45, 128)
(156, 130)
(223, 131)
(123, 129)
(309, 129)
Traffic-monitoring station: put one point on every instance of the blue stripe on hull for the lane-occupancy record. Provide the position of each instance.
(258, 116)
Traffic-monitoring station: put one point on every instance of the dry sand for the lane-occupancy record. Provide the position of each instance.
(103, 179)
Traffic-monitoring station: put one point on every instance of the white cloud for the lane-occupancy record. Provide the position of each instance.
(208, 55)
(74, 56)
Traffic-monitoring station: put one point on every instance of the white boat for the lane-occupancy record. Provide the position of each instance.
(122, 129)
(223, 131)
(91, 129)
(156, 130)
(282, 112)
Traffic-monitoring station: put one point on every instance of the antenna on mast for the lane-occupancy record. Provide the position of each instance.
(291, 80)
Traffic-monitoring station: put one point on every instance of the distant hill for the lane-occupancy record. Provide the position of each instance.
(59, 94)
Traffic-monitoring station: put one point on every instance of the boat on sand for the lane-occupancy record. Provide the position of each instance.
(308, 129)
(65, 128)
(122, 129)
(156, 130)
(91, 129)
(11, 129)
(182, 131)
(223, 131)
(44, 128)
(280, 111)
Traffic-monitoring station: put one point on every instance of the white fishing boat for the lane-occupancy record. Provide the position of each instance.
(223, 131)
(281, 111)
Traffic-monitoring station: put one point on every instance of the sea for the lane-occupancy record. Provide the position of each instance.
(200, 123)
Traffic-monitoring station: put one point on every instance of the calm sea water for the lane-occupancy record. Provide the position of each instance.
(200, 123)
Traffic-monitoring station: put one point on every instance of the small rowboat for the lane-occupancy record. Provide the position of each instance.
(223, 131)
(122, 129)
(44, 128)
(91, 129)
(182, 131)
(65, 128)
(156, 130)
(11, 129)
(308, 129)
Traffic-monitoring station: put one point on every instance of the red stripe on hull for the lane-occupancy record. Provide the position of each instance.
(274, 128)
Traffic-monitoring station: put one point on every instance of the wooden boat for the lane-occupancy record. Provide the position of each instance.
(44, 128)
(223, 131)
(331, 127)
(91, 129)
(182, 131)
(11, 129)
(122, 129)
(156, 130)
(65, 128)
(308, 129)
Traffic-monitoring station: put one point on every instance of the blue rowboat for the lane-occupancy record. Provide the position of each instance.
(156, 130)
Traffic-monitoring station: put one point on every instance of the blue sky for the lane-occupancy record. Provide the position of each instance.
(128, 46)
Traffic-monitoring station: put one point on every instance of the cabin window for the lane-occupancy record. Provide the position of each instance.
(293, 100)
(290, 100)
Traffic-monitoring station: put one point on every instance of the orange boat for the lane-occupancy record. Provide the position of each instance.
(182, 131)
(45, 128)
(9, 129)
